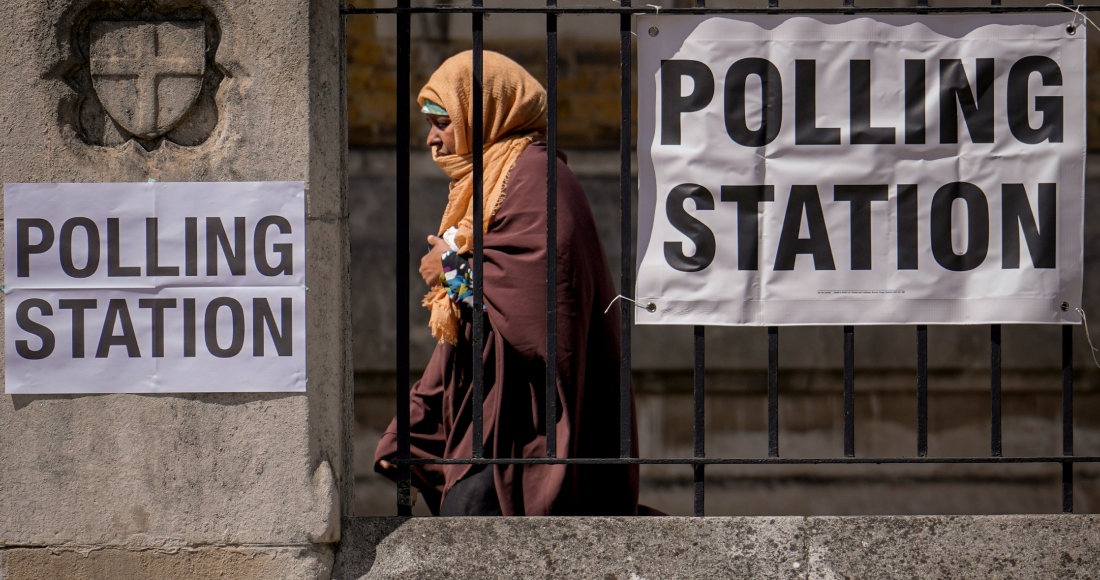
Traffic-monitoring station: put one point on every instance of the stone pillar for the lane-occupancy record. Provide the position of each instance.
(182, 486)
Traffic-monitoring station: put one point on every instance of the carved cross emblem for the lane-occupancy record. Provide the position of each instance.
(147, 75)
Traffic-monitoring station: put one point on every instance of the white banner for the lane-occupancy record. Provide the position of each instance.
(154, 287)
(857, 170)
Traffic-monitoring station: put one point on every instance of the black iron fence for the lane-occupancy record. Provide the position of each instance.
(625, 10)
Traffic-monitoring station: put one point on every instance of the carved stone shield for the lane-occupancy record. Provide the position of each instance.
(147, 75)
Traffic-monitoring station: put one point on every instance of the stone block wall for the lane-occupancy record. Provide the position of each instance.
(795, 548)
(201, 485)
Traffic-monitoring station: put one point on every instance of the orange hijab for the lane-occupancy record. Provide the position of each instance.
(514, 117)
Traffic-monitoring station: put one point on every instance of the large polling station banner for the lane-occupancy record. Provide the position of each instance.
(154, 287)
(858, 170)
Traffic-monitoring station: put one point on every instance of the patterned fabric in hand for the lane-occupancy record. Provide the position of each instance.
(457, 278)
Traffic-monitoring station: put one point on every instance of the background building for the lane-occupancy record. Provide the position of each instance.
(811, 411)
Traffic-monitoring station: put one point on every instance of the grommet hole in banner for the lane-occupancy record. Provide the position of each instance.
(1071, 28)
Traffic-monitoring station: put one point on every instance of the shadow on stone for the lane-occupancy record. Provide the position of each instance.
(359, 539)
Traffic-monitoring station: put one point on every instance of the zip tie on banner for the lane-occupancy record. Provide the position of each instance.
(656, 7)
(1076, 10)
(619, 2)
(651, 307)
(1085, 320)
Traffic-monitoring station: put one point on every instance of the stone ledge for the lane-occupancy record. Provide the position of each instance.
(237, 562)
(1032, 547)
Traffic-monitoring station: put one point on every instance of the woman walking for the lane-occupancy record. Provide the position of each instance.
(514, 285)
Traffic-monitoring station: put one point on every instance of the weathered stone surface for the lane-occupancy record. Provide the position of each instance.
(147, 75)
(166, 471)
(826, 548)
(571, 548)
(1033, 547)
(207, 563)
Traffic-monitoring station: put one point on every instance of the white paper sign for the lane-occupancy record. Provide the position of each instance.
(154, 287)
(856, 170)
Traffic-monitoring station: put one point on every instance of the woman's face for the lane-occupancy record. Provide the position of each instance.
(441, 134)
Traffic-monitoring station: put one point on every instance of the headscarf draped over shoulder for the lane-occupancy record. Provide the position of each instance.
(514, 117)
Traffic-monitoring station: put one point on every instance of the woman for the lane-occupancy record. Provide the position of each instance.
(515, 326)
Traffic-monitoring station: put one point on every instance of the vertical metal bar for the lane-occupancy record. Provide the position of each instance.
(700, 415)
(479, 220)
(551, 231)
(773, 391)
(700, 3)
(849, 392)
(404, 63)
(626, 286)
(1067, 417)
(995, 390)
(773, 3)
(922, 3)
(994, 2)
(922, 390)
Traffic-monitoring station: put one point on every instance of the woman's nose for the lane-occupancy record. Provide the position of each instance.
(433, 137)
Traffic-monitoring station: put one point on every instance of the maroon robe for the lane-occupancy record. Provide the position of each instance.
(514, 275)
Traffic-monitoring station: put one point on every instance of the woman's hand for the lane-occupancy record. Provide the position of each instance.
(431, 265)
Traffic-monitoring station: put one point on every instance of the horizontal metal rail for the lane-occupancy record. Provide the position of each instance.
(1058, 459)
(987, 9)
